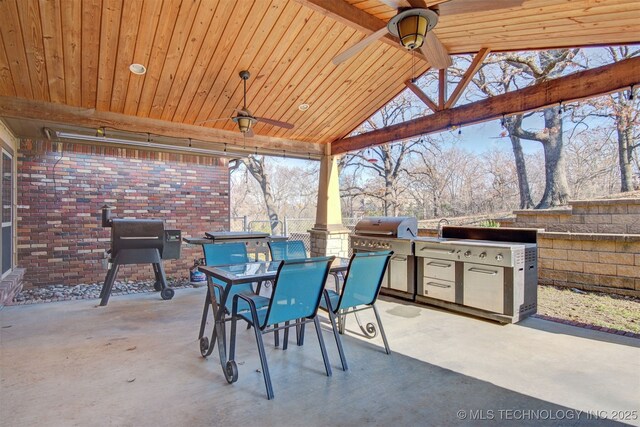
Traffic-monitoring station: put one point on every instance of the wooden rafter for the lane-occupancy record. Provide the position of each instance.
(442, 88)
(423, 96)
(585, 84)
(40, 110)
(353, 17)
(466, 78)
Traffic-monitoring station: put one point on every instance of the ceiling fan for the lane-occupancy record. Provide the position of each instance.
(243, 118)
(414, 22)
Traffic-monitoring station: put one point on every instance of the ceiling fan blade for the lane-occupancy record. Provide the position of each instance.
(455, 7)
(275, 122)
(356, 48)
(396, 4)
(435, 52)
(213, 120)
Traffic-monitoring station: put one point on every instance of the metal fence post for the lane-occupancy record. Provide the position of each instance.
(245, 224)
(286, 226)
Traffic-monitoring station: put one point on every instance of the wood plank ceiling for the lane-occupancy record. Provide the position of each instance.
(77, 53)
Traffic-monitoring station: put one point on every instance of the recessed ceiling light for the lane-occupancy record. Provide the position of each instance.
(137, 69)
(303, 107)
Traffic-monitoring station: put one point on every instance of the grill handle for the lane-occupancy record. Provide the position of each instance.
(439, 285)
(139, 238)
(449, 251)
(483, 271)
(439, 264)
(375, 233)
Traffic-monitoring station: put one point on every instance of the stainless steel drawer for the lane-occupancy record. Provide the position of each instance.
(440, 269)
(439, 289)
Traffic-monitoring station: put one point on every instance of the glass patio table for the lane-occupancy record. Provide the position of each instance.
(231, 275)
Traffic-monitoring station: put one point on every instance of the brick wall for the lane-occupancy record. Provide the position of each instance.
(60, 240)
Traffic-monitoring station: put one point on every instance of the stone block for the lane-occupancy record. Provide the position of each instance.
(629, 247)
(583, 278)
(628, 271)
(617, 282)
(627, 219)
(613, 209)
(599, 245)
(597, 268)
(567, 244)
(616, 258)
(545, 263)
(544, 242)
(585, 256)
(575, 266)
(637, 259)
(553, 253)
(597, 219)
(612, 228)
(584, 209)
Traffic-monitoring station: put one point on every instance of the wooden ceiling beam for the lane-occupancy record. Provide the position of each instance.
(88, 117)
(353, 17)
(423, 96)
(585, 84)
(466, 78)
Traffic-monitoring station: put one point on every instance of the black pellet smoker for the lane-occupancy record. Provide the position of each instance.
(139, 241)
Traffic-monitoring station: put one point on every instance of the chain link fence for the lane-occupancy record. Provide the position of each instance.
(294, 228)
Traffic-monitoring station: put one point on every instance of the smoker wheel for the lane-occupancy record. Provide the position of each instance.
(167, 293)
(231, 372)
(157, 285)
(204, 346)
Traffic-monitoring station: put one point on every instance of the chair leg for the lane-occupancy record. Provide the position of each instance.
(276, 337)
(323, 349)
(301, 332)
(285, 342)
(336, 335)
(232, 338)
(384, 336)
(263, 362)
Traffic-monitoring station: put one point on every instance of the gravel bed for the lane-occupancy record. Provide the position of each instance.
(53, 293)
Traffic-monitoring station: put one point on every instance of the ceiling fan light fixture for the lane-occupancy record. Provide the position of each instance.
(411, 26)
(244, 123)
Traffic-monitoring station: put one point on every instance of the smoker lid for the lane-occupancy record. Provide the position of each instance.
(390, 226)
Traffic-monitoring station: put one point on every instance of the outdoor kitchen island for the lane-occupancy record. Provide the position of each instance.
(485, 272)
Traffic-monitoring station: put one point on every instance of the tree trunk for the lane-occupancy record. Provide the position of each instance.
(556, 189)
(256, 168)
(521, 168)
(624, 127)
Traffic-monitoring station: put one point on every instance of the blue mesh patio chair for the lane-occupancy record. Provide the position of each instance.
(360, 292)
(293, 249)
(297, 292)
(218, 255)
(290, 249)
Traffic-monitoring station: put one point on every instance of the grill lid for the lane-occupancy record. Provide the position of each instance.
(403, 227)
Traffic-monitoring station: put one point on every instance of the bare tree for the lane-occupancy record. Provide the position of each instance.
(256, 166)
(385, 162)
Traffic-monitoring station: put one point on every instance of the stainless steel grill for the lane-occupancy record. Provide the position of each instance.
(395, 234)
(139, 241)
(487, 272)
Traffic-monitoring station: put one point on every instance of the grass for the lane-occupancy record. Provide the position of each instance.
(593, 308)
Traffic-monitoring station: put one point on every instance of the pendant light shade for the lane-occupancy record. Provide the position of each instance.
(411, 26)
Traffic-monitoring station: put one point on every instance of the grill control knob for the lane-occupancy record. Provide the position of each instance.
(482, 255)
(467, 254)
(499, 257)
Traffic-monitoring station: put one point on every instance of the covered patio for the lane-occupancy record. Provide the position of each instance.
(82, 125)
(136, 363)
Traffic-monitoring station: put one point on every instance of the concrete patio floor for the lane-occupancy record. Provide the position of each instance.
(136, 363)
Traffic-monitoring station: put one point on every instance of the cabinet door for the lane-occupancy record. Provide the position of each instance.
(398, 274)
(484, 287)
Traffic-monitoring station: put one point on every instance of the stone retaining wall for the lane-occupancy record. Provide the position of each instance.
(596, 262)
